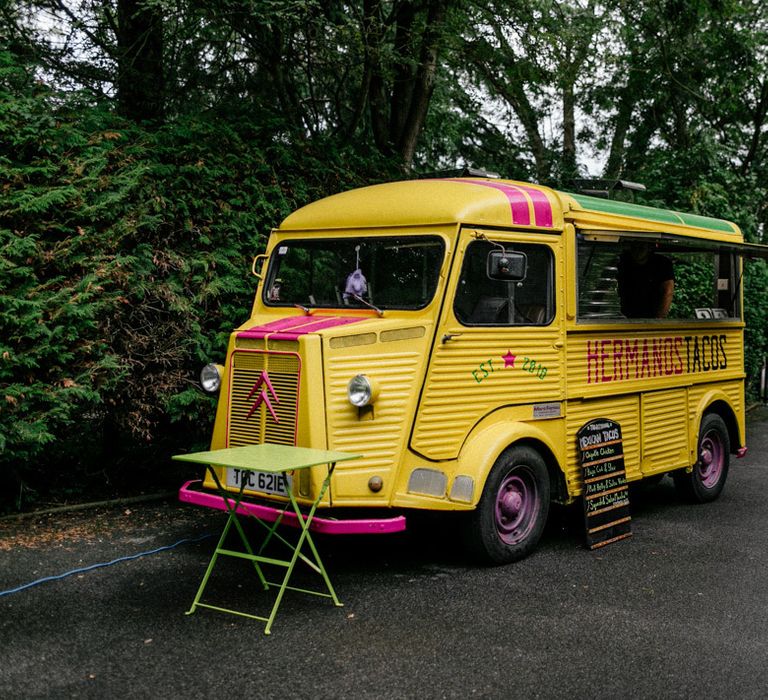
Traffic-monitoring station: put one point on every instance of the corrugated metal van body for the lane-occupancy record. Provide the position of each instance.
(394, 355)
(619, 359)
(656, 384)
(278, 425)
(478, 370)
(486, 371)
(309, 405)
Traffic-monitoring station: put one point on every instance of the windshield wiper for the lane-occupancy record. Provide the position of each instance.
(367, 303)
(305, 309)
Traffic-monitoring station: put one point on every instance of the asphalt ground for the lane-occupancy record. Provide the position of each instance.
(680, 610)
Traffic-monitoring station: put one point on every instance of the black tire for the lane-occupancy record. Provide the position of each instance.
(707, 479)
(513, 508)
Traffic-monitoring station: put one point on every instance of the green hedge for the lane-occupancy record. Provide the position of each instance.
(125, 260)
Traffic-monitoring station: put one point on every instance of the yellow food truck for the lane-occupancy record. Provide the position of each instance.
(458, 333)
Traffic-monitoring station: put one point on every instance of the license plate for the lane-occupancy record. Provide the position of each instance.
(265, 482)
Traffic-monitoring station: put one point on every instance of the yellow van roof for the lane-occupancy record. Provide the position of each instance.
(476, 201)
(482, 202)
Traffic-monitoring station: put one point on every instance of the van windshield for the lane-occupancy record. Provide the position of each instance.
(384, 272)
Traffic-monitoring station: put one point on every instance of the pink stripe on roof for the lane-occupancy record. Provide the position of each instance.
(294, 326)
(518, 202)
(542, 209)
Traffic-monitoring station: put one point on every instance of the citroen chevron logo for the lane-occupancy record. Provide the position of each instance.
(260, 389)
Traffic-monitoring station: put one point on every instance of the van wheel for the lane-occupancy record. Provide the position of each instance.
(707, 479)
(512, 511)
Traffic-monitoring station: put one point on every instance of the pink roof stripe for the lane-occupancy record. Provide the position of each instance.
(542, 209)
(519, 202)
(294, 326)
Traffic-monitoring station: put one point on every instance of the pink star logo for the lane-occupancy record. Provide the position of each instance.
(509, 359)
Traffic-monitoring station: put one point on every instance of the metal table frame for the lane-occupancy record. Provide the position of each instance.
(273, 459)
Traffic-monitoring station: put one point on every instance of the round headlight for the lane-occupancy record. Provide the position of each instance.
(210, 378)
(360, 391)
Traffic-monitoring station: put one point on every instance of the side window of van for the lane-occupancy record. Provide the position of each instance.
(482, 301)
(619, 280)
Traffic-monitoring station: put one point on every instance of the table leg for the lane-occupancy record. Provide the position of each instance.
(320, 566)
(304, 536)
(232, 519)
(272, 530)
(211, 564)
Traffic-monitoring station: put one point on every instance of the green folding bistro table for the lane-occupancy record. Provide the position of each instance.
(274, 460)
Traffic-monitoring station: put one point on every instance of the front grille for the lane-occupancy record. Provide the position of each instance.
(261, 380)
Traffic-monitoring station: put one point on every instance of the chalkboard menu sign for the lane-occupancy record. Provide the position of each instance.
(606, 496)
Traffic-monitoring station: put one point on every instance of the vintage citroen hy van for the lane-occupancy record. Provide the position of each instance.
(458, 333)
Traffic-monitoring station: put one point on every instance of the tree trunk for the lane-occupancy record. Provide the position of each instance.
(403, 82)
(758, 120)
(569, 169)
(371, 38)
(614, 166)
(424, 82)
(647, 126)
(373, 81)
(140, 84)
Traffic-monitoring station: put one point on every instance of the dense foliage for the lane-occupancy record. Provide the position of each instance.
(124, 263)
(147, 147)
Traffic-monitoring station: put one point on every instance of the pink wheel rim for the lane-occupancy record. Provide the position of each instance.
(517, 502)
(711, 459)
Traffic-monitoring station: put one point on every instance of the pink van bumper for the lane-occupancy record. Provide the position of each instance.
(328, 526)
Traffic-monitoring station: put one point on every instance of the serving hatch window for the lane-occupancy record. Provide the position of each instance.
(385, 272)
(633, 279)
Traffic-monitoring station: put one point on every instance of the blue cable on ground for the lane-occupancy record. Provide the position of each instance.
(101, 565)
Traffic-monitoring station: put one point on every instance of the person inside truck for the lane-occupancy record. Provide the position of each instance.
(646, 282)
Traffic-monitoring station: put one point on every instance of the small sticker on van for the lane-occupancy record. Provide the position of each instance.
(547, 410)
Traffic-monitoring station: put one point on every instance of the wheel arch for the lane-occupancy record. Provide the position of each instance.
(486, 444)
(557, 485)
(718, 403)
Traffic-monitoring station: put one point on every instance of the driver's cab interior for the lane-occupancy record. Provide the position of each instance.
(505, 284)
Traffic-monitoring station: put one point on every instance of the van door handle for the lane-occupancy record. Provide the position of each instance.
(557, 344)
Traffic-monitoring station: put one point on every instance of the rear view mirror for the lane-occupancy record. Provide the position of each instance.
(508, 266)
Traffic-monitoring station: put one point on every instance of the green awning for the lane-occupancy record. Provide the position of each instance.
(664, 216)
